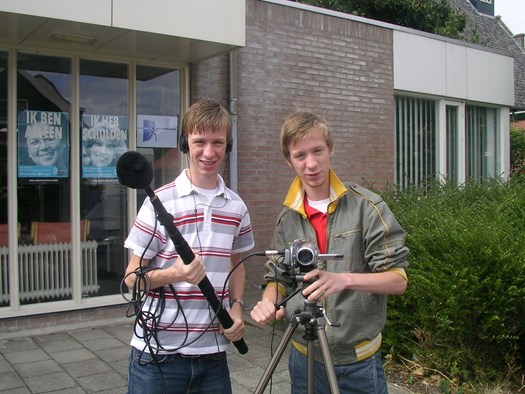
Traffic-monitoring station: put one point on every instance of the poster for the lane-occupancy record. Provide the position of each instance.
(156, 131)
(43, 145)
(104, 140)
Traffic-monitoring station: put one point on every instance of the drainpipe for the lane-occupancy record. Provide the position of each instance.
(233, 112)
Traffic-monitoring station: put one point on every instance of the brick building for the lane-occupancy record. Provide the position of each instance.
(403, 105)
(359, 74)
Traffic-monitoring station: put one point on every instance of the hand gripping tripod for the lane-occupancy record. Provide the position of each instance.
(313, 319)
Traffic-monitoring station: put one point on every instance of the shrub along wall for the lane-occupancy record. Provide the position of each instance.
(464, 311)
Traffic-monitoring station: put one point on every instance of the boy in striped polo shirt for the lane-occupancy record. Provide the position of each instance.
(178, 344)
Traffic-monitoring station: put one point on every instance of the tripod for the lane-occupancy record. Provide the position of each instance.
(313, 319)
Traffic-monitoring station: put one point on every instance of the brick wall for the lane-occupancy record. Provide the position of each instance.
(297, 59)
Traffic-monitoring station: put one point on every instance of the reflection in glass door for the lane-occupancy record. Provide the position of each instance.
(158, 119)
(43, 183)
(104, 137)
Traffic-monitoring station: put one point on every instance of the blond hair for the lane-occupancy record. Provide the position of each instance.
(206, 115)
(298, 125)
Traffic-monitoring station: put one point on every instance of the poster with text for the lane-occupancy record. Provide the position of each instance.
(156, 131)
(104, 140)
(43, 145)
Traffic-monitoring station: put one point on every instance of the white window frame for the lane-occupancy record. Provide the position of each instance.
(443, 143)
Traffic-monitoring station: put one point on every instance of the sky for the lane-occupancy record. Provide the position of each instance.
(512, 13)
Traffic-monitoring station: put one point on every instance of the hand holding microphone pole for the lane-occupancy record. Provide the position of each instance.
(134, 171)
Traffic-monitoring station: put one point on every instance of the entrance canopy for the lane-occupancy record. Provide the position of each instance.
(182, 31)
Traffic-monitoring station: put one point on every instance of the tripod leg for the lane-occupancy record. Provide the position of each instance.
(277, 356)
(310, 367)
(327, 358)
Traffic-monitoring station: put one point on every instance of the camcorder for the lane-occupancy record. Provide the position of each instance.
(301, 257)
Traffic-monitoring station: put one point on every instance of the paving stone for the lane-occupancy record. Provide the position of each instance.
(17, 345)
(102, 381)
(10, 380)
(19, 390)
(85, 367)
(91, 334)
(73, 355)
(113, 355)
(26, 356)
(61, 345)
(37, 368)
(102, 344)
(5, 366)
(50, 382)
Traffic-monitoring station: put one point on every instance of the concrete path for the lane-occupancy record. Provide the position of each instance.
(95, 360)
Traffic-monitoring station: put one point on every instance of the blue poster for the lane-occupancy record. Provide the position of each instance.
(43, 144)
(104, 140)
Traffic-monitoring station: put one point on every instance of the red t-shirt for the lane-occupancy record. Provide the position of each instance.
(318, 220)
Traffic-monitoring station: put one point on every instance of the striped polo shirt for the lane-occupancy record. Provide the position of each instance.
(219, 227)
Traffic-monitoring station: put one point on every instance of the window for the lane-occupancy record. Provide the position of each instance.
(482, 143)
(105, 136)
(452, 140)
(158, 118)
(71, 215)
(4, 256)
(416, 140)
(44, 188)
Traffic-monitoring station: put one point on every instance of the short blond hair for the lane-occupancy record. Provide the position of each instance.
(206, 115)
(298, 125)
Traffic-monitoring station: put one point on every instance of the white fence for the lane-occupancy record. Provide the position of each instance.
(45, 271)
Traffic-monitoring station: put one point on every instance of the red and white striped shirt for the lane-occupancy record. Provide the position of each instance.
(219, 227)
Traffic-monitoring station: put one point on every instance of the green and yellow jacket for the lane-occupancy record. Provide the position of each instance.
(362, 228)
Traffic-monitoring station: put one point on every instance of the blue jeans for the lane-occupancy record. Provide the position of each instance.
(178, 374)
(362, 377)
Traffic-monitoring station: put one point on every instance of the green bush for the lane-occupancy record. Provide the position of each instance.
(463, 313)
(517, 151)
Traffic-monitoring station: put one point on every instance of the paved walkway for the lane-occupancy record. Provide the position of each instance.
(95, 360)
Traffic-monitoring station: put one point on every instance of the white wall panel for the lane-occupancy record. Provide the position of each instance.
(209, 20)
(490, 77)
(456, 72)
(423, 64)
(419, 64)
(215, 21)
(91, 11)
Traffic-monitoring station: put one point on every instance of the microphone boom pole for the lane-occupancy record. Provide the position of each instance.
(138, 167)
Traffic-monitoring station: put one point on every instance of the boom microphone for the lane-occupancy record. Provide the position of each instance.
(134, 171)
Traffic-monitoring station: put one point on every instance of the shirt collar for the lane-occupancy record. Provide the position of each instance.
(186, 188)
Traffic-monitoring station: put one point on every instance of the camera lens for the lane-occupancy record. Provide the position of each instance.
(305, 256)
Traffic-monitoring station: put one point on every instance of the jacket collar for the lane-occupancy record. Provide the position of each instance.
(295, 197)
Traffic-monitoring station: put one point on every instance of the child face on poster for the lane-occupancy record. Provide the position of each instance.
(42, 148)
(101, 147)
(103, 152)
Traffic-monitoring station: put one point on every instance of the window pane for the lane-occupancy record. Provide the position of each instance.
(158, 105)
(104, 123)
(483, 143)
(4, 255)
(43, 88)
(416, 140)
(452, 144)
